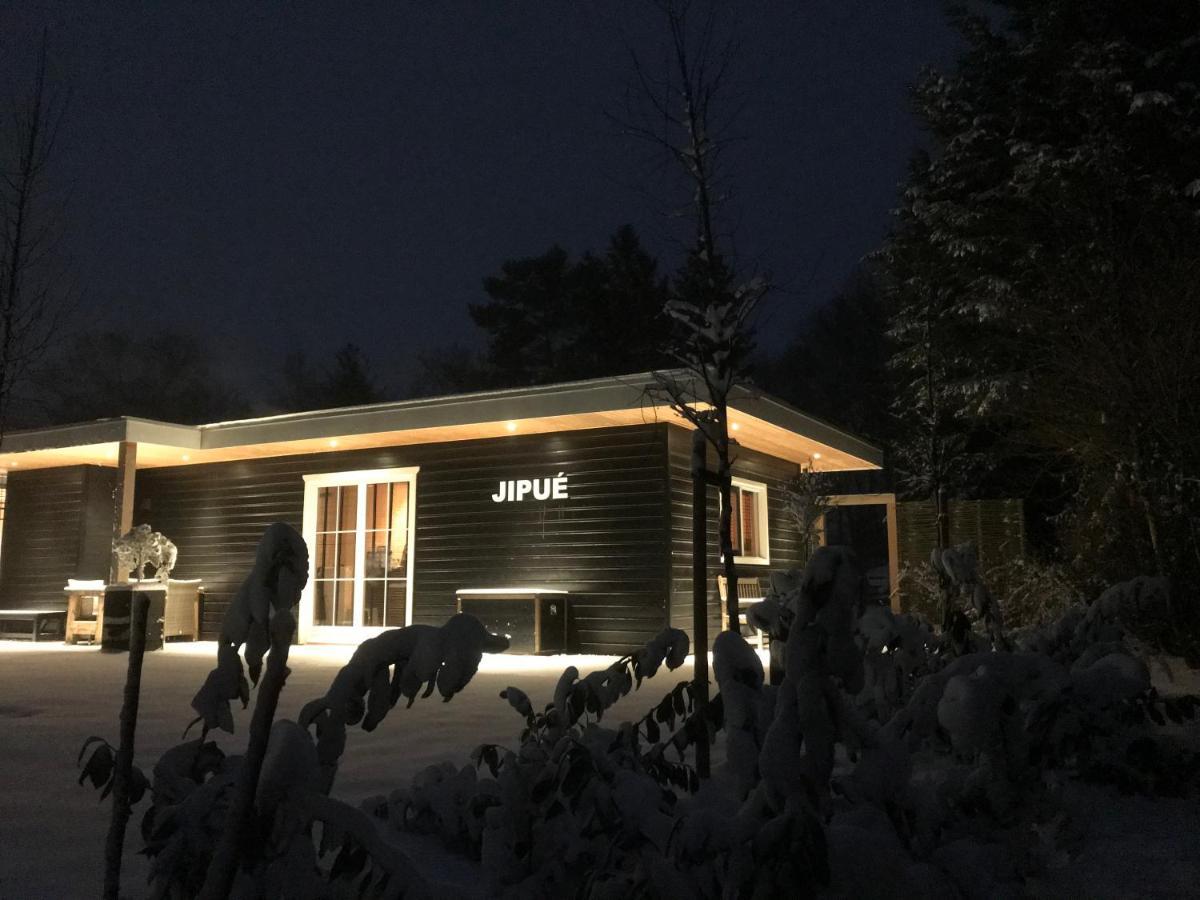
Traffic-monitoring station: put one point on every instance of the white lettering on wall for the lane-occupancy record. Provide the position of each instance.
(516, 490)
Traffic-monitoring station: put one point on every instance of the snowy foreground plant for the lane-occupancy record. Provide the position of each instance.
(890, 761)
(884, 764)
(262, 824)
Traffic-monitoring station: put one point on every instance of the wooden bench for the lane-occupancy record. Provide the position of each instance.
(38, 618)
(749, 592)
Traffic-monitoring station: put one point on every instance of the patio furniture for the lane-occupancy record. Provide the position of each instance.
(749, 592)
(533, 618)
(38, 620)
(85, 611)
(118, 609)
(181, 616)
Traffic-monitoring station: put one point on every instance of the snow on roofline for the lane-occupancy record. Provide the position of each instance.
(641, 380)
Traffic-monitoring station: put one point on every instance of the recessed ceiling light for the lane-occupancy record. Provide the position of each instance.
(333, 443)
(736, 427)
(14, 463)
(185, 457)
(511, 426)
(816, 456)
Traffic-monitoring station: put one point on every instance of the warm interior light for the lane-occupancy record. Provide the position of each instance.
(333, 443)
(14, 463)
(816, 456)
(736, 427)
(185, 457)
(511, 426)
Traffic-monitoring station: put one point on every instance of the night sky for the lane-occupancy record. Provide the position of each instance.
(292, 176)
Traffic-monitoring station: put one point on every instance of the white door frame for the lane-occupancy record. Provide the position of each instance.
(353, 634)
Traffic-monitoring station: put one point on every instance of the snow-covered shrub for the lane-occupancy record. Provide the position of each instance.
(958, 569)
(1138, 613)
(882, 765)
(580, 809)
(262, 824)
(1027, 592)
(897, 650)
(1150, 611)
(575, 805)
(1033, 593)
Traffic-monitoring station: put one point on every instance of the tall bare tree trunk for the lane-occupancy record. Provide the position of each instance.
(28, 310)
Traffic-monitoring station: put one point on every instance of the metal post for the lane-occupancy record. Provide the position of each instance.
(700, 591)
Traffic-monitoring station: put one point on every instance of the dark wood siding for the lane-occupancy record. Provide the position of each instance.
(57, 525)
(606, 544)
(786, 551)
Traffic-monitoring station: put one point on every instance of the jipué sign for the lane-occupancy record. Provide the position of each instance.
(516, 490)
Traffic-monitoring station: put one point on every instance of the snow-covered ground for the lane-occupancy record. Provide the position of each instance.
(53, 696)
(52, 830)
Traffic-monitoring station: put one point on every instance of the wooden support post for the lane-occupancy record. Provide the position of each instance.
(123, 501)
(888, 502)
(893, 539)
(700, 592)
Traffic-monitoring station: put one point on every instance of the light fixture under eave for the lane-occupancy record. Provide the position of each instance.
(735, 427)
(333, 443)
(510, 427)
(816, 456)
(185, 457)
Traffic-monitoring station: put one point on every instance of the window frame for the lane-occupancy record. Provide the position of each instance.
(761, 518)
(360, 479)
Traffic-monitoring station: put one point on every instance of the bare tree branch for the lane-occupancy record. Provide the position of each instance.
(31, 303)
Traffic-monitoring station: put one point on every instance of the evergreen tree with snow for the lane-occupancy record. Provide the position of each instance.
(1044, 271)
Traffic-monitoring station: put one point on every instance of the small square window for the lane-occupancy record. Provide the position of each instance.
(748, 522)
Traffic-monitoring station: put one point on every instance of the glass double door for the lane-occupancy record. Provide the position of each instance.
(361, 547)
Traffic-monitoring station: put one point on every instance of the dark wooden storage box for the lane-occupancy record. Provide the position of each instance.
(533, 619)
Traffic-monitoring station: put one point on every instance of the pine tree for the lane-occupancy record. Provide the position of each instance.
(348, 381)
(550, 318)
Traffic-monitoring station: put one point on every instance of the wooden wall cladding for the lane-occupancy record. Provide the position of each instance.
(607, 543)
(787, 551)
(57, 525)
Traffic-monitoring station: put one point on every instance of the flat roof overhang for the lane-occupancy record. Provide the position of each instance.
(759, 422)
